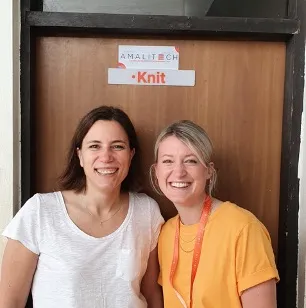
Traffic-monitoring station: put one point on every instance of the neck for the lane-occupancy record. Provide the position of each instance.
(191, 214)
(101, 203)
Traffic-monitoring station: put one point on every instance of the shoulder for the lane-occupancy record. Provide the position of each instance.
(47, 199)
(40, 203)
(147, 208)
(236, 213)
(144, 201)
(230, 215)
(28, 224)
(168, 227)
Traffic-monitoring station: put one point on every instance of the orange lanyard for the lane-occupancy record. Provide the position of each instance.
(196, 253)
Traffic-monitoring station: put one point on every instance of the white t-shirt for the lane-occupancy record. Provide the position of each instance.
(76, 270)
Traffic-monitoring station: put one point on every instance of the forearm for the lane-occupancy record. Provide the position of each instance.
(150, 288)
(12, 296)
(17, 271)
(260, 296)
(7, 301)
(155, 298)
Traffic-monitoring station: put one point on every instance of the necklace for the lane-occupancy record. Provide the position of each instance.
(185, 241)
(196, 253)
(101, 222)
(185, 250)
(182, 241)
(190, 241)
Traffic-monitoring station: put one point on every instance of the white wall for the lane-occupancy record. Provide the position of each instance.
(301, 300)
(9, 111)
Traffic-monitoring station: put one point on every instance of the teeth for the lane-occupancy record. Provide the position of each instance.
(179, 184)
(106, 171)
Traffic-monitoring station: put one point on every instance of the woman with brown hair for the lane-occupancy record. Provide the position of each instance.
(93, 243)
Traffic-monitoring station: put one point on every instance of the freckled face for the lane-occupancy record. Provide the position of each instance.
(180, 174)
(105, 155)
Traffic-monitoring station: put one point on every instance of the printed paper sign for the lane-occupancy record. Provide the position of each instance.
(148, 57)
(145, 77)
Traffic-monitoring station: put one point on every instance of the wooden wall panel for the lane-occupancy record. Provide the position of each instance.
(238, 99)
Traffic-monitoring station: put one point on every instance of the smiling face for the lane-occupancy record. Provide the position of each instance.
(105, 155)
(180, 174)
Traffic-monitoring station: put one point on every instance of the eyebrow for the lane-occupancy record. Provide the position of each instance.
(114, 141)
(119, 141)
(169, 155)
(93, 141)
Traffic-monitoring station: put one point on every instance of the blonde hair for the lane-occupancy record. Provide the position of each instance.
(195, 137)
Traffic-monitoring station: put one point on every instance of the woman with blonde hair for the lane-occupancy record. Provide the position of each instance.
(213, 254)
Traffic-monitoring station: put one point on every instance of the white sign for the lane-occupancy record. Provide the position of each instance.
(143, 77)
(148, 57)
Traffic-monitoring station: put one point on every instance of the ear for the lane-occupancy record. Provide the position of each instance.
(79, 153)
(154, 178)
(211, 169)
(132, 154)
(155, 168)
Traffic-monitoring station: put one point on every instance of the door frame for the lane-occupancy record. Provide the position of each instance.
(36, 23)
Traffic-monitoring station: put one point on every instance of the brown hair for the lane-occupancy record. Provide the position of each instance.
(73, 177)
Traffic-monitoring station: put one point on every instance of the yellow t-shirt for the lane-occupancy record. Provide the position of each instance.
(236, 255)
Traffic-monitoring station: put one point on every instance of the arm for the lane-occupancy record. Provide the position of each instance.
(262, 295)
(150, 289)
(18, 268)
(256, 271)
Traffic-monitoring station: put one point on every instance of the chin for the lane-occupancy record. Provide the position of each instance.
(106, 188)
(176, 200)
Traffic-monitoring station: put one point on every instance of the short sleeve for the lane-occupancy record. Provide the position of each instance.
(157, 222)
(24, 227)
(255, 262)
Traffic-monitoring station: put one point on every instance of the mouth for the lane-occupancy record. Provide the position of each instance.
(106, 171)
(180, 184)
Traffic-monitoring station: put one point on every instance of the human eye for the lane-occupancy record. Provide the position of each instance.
(94, 146)
(191, 161)
(167, 161)
(118, 147)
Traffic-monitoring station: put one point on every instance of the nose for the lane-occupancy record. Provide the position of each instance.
(179, 170)
(105, 155)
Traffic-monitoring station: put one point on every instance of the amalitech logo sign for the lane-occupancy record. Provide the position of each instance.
(145, 77)
(150, 66)
(148, 57)
(153, 57)
(151, 77)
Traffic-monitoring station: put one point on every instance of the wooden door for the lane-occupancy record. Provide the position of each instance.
(238, 99)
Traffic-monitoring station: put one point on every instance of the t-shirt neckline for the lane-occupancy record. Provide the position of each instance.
(84, 234)
(192, 229)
